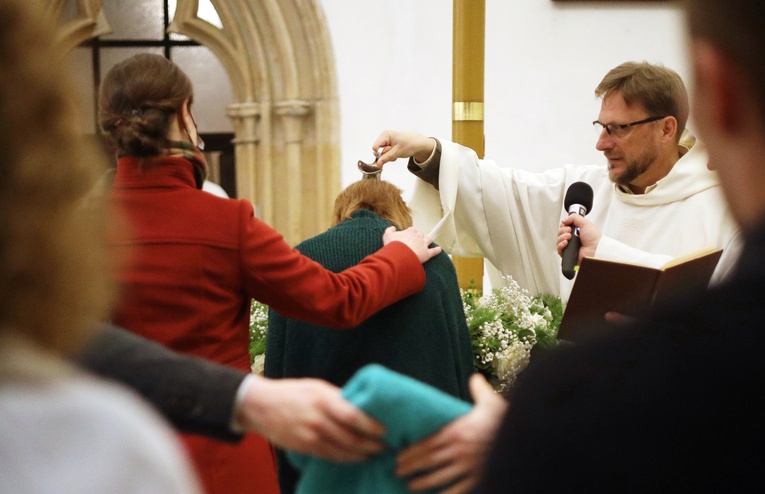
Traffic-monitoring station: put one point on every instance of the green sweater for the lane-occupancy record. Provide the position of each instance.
(423, 336)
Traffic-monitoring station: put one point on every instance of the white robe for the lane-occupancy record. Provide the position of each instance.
(511, 217)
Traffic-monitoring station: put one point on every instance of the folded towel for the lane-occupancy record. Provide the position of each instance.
(410, 411)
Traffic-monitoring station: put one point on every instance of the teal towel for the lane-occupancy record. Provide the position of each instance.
(410, 411)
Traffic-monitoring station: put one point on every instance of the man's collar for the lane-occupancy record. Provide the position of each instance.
(687, 141)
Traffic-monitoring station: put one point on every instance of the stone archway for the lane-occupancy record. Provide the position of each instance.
(279, 59)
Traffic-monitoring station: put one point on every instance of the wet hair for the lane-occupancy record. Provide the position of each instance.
(137, 100)
(737, 28)
(381, 197)
(54, 278)
(658, 89)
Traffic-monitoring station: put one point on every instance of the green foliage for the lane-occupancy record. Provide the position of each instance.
(549, 338)
(258, 329)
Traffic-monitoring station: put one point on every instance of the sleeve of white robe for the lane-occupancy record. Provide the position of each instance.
(511, 217)
(507, 215)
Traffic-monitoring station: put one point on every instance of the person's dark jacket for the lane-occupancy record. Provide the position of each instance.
(671, 403)
(195, 395)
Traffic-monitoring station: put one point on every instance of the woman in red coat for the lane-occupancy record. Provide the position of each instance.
(195, 260)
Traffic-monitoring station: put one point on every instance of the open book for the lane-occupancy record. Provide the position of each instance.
(602, 286)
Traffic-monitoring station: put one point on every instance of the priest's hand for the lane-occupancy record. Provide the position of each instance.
(309, 416)
(618, 318)
(589, 235)
(455, 455)
(392, 145)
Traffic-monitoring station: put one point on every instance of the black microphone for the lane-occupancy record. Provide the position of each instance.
(578, 201)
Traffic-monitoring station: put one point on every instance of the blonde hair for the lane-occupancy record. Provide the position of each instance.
(381, 197)
(54, 279)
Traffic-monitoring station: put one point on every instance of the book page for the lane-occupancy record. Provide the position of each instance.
(692, 255)
(686, 279)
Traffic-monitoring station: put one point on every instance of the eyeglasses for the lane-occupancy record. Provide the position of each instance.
(620, 130)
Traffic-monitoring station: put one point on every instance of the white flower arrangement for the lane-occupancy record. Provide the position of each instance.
(504, 327)
(258, 332)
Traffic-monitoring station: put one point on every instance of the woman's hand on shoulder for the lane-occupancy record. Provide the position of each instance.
(414, 239)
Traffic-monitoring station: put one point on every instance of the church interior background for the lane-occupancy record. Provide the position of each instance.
(265, 92)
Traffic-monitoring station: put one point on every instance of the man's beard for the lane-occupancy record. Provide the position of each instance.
(635, 168)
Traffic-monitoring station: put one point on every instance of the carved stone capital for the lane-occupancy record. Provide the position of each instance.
(292, 108)
(246, 119)
(243, 110)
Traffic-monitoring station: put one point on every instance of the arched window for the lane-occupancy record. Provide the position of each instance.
(263, 72)
(141, 26)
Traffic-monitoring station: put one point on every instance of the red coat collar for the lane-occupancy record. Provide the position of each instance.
(161, 171)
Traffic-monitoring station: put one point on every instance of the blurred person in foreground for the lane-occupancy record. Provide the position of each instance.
(61, 430)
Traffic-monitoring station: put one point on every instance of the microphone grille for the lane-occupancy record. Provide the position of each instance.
(579, 193)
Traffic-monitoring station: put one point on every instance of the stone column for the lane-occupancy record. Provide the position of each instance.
(291, 114)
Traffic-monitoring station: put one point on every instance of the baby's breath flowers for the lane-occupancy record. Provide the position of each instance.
(258, 331)
(505, 325)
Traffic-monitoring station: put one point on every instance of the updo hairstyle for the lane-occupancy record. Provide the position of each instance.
(138, 98)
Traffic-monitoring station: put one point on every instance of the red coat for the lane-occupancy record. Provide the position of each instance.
(194, 260)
